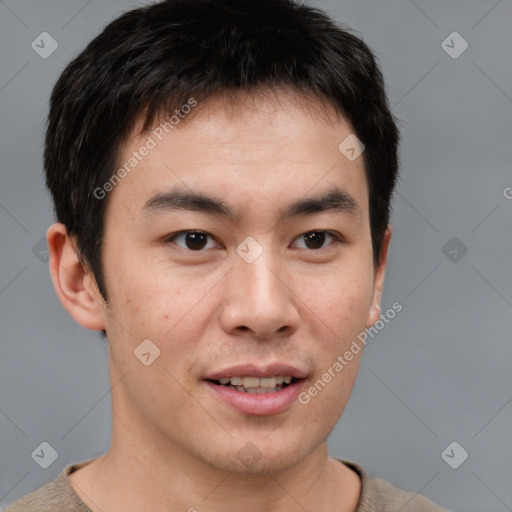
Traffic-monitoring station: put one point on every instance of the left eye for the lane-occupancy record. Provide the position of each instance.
(315, 239)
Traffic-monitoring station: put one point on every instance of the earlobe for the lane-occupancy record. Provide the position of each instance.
(73, 284)
(380, 275)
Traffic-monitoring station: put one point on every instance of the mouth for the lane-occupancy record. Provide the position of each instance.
(257, 396)
(257, 389)
(256, 385)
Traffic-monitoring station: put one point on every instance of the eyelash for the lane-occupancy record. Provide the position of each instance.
(335, 236)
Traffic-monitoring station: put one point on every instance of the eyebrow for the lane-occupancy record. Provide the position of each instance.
(178, 199)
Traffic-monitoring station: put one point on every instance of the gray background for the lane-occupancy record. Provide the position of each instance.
(437, 373)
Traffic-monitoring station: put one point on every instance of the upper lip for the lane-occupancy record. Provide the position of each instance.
(252, 370)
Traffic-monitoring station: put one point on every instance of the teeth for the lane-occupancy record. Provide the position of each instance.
(250, 382)
(265, 383)
(268, 382)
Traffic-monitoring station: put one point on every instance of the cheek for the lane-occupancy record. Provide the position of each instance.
(325, 397)
(138, 294)
(171, 308)
(341, 299)
(341, 305)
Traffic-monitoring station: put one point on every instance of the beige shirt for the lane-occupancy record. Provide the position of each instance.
(377, 495)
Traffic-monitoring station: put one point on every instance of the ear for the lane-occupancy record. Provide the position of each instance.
(380, 274)
(75, 286)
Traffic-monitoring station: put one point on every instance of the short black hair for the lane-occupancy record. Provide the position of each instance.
(153, 59)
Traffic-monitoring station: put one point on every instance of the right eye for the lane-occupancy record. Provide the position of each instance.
(191, 240)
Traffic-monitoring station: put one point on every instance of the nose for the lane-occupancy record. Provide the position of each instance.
(259, 299)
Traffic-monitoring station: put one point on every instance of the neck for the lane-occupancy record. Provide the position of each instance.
(167, 480)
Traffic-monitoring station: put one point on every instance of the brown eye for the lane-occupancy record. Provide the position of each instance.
(315, 240)
(192, 240)
(195, 240)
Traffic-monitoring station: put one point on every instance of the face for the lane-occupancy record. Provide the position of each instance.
(240, 245)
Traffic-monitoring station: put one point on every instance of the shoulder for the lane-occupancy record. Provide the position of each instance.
(378, 495)
(55, 496)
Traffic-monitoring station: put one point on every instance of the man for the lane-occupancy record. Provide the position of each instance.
(222, 173)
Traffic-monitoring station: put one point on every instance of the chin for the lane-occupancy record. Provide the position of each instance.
(257, 457)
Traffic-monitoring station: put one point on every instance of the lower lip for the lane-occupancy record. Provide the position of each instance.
(259, 403)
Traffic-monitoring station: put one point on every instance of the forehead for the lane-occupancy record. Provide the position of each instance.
(248, 144)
